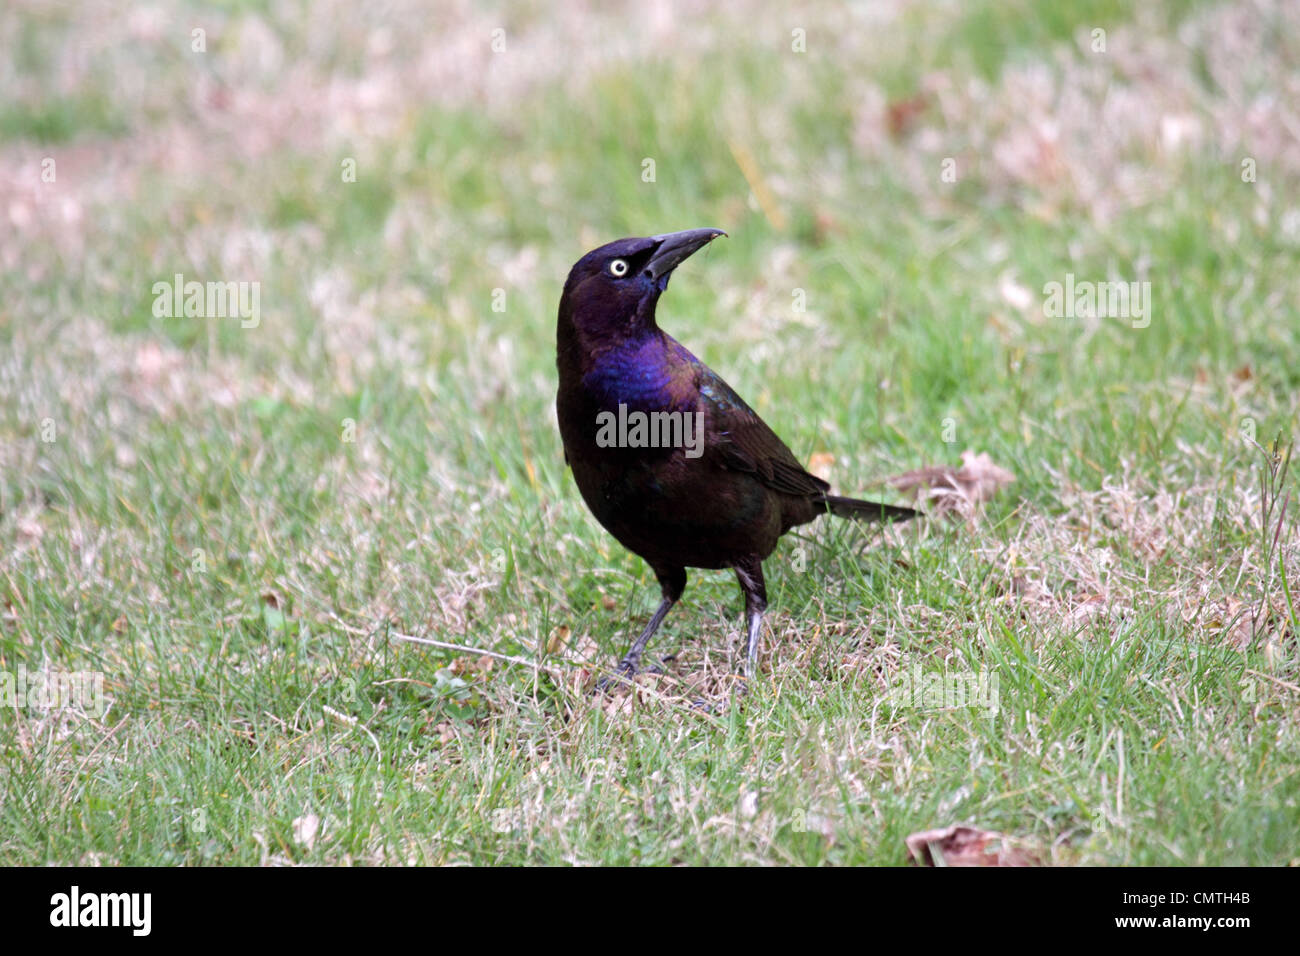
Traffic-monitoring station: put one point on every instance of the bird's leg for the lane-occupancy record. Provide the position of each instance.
(672, 583)
(631, 662)
(749, 573)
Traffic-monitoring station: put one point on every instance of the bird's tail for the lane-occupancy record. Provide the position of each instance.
(868, 510)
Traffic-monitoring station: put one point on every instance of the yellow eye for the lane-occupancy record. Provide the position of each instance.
(618, 268)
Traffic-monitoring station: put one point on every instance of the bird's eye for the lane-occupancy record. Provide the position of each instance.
(618, 268)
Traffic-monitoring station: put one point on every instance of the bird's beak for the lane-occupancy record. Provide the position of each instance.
(675, 247)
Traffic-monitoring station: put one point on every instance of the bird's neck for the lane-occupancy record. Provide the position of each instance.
(583, 346)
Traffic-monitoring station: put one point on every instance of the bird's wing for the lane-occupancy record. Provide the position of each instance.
(743, 442)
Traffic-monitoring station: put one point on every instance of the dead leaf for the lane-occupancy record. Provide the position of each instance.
(305, 829)
(959, 490)
(558, 640)
(966, 846)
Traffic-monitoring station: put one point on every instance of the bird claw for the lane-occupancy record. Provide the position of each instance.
(622, 676)
(662, 667)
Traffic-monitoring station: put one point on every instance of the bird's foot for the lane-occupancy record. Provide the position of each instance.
(662, 666)
(621, 676)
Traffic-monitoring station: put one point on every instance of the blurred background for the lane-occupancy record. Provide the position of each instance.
(211, 511)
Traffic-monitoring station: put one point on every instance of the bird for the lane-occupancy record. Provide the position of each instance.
(668, 458)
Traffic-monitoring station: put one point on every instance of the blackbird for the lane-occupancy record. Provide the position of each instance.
(668, 457)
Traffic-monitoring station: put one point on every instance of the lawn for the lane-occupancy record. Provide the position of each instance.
(221, 531)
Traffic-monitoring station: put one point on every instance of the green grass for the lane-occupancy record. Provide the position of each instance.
(233, 525)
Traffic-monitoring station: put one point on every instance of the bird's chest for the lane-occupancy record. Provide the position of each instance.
(628, 429)
(626, 401)
(639, 378)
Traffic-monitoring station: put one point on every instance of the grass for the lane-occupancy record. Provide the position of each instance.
(233, 525)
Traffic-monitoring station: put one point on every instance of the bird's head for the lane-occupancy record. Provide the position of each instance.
(611, 291)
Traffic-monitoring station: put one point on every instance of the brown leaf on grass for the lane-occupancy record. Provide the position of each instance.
(966, 846)
(959, 490)
(1257, 624)
(1086, 606)
(558, 639)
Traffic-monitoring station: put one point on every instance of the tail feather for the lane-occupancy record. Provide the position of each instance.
(868, 510)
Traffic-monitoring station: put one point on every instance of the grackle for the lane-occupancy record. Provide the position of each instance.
(667, 456)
